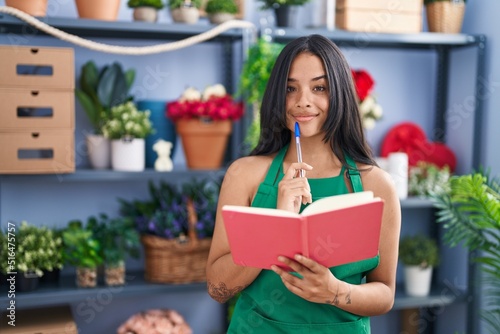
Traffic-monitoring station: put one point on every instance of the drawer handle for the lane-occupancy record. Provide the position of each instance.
(35, 134)
(34, 51)
(34, 93)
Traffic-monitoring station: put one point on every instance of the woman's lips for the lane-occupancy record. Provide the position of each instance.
(304, 118)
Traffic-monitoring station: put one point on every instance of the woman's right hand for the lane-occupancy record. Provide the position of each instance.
(294, 190)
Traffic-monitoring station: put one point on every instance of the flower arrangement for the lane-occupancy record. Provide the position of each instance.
(125, 121)
(166, 215)
(427, 179)
(37, 249)
(370, 110)
(213, 104)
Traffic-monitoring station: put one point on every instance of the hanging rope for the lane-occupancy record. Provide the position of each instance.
(125, 50)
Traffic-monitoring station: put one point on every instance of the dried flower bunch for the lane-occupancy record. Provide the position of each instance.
(214, 104)
(370, 110)
(165, 214)
(125, 121)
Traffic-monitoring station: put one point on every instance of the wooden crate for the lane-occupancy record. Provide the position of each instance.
(37, 152)
(26, 109)
(382, 16)
(37, 67)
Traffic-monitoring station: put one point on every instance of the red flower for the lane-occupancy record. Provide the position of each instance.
(363, 82)
(216, 108)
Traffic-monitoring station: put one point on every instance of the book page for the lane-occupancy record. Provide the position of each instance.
(337, 202)
(260, 211)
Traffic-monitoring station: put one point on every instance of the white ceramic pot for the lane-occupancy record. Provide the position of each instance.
(99, 151)
(188, 15)
(128, 155)
(218, 18)
(146, 14)
(417, 281)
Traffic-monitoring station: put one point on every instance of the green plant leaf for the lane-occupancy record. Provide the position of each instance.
(112, 88)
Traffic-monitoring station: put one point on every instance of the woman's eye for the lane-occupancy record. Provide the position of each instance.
(320, 88)
(290, 89)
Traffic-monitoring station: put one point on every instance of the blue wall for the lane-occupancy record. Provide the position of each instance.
(405, 82)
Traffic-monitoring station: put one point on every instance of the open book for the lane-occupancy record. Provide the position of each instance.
(332, 231)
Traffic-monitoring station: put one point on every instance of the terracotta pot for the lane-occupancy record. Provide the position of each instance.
(204, 142)
(32, 7)
(98, 9)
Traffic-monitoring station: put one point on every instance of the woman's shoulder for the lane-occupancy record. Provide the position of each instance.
(377, 180)
(250, 168)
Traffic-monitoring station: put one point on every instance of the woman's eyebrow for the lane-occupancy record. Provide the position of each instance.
(313, 79)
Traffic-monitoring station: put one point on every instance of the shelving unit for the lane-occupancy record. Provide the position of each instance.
(443, 45)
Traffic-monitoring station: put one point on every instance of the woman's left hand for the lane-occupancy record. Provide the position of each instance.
(316, 284)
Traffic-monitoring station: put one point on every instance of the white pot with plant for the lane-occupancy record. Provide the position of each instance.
(220, 11)
(145, 10)
(419, 254)
(185, 11)
(126, 128)
(99, 91)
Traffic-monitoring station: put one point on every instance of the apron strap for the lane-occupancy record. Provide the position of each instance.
(353, 175)
(272, 174)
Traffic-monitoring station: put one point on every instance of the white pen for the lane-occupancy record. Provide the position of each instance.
(297, 145)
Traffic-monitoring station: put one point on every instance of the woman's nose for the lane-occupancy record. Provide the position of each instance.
(303, 100)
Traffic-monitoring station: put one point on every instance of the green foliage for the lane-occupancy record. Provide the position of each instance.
(117, 237)
(470, 212)
(125, 121)
(158, 4)
(101, 90)
(419, 250)
(266, 4)
(253, 81)
(173, 4)
(426, 179)
(81, 248)
(221, 6)
(36, 249)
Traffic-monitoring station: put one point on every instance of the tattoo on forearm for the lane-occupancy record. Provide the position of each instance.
(348, 296)
(222, 293)
(336, 301)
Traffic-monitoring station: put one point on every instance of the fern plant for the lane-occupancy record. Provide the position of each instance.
(470, 212)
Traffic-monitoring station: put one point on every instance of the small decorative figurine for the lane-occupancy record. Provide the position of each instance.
(163, 163)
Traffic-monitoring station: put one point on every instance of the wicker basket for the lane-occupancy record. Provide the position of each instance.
(445, 16)
(169, 261)
(176, 261)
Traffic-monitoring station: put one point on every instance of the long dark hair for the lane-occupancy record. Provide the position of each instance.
(343, 127)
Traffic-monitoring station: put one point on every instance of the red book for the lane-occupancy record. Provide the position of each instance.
(332, 231)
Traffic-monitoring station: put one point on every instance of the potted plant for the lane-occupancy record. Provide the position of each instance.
(33, 7)
(185, 11)
(253, 81)
(127, 127)
(220, 11)
(419, 254)
(470, 212)
(445, 16)
(145, 10)
(38, 249)
(176, 225)
(83, 251)
(426, 179)
(118, 239)
(100, 90)
(283, 10)
(204, 122)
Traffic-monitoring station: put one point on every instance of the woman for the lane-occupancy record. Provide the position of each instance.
(310, 84)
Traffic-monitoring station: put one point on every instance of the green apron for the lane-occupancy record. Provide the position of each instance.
(266, 306)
